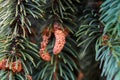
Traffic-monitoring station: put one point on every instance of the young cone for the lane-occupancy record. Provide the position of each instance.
(60, 39)
(43, 54)
(17, 66)
(3, 64)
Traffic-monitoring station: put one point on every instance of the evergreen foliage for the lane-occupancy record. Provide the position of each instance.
(59, 39)
(107, 46)
(61, 66)
(87, 33)
(16, 50)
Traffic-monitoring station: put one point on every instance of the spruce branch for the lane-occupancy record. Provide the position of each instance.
(58, 60)
(89, 29)
(17, 51)
(62, 12)
(107, 46)
(60, 65)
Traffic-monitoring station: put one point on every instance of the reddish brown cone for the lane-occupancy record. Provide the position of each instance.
(60, 39)
(45, 56)
(17, 68)
(3, 64)
(105, 37)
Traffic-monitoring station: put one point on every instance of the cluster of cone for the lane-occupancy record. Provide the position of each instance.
(60, 40)
(15, 67)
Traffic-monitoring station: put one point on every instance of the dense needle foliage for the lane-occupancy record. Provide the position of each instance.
(59, 39)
